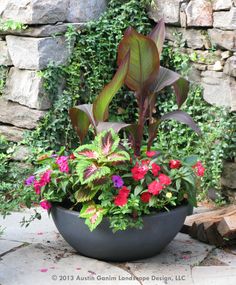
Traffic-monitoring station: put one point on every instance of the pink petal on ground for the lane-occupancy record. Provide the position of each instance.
(39, 233)
(43, 270)
(185, 257)
(78, 268)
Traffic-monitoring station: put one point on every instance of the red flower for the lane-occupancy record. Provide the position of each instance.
(164, 179)
(139, 171)
(155, 169)
(120, 200)
(145, 162)
(200, 169)
(174, 164)
(155, 187)
(145, 197)
(150, 153)
(124, 191)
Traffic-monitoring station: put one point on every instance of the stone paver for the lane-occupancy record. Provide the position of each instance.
(214, 275)
(7, 245)
(183, 250)
(39, 255)
(226, 257)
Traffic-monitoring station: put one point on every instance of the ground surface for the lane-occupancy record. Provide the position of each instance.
(38, 255)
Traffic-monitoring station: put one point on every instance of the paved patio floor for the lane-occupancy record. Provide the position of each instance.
(38, 255)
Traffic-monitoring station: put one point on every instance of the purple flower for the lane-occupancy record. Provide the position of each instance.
(29, 180)
(117, 180)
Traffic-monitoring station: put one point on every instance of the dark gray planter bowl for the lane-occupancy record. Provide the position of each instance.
(158, 231)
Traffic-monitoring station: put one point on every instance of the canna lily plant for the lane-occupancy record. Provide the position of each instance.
(139, 69)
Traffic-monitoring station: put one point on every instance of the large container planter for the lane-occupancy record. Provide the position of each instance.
(158, 231)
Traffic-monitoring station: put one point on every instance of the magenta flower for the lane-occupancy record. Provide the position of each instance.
(30, 180)
(45, 178)
(46, 205)
(117, 181)
(62, 162)
(37, 187)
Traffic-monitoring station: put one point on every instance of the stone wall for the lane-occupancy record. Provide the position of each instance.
(24, 53)
(208, 30)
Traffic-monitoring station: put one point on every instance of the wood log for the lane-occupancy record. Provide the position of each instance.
(227, 227)
(216, 227)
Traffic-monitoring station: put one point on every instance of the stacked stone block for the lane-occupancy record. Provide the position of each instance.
(24, 53)
(208, 29)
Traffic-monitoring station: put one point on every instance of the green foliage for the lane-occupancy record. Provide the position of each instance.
(99, 38)
(216, 125)
(11, 175)
(11, 25)
(3, 74)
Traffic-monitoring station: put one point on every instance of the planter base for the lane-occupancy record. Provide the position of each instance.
(133, 244)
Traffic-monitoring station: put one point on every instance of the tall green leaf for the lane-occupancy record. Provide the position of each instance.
(81, 117)
(116, 126)
(158, 35)
(144, 59)
(182, 117)
(164, 78)
(100, 105)
(181, 87)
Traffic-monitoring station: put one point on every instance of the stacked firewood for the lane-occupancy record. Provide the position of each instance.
(216, 227)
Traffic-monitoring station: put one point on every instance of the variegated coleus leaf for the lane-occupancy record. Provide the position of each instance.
(107, 142)
(89, 171)
(93, 214)
(87, 152)
(117, 156)
(85, 194)
(88, 210)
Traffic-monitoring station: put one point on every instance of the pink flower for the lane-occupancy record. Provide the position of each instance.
(46, 178)
(37, 187)
(164, 179)
(46, 205)
(155, 187)
(62, 162)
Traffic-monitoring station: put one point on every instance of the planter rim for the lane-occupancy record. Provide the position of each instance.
(163, 213)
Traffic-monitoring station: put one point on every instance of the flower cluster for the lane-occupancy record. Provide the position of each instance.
(104, 181)
(44, 179)
(160, 181)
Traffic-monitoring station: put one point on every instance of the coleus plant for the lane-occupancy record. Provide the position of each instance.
(139, 69)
